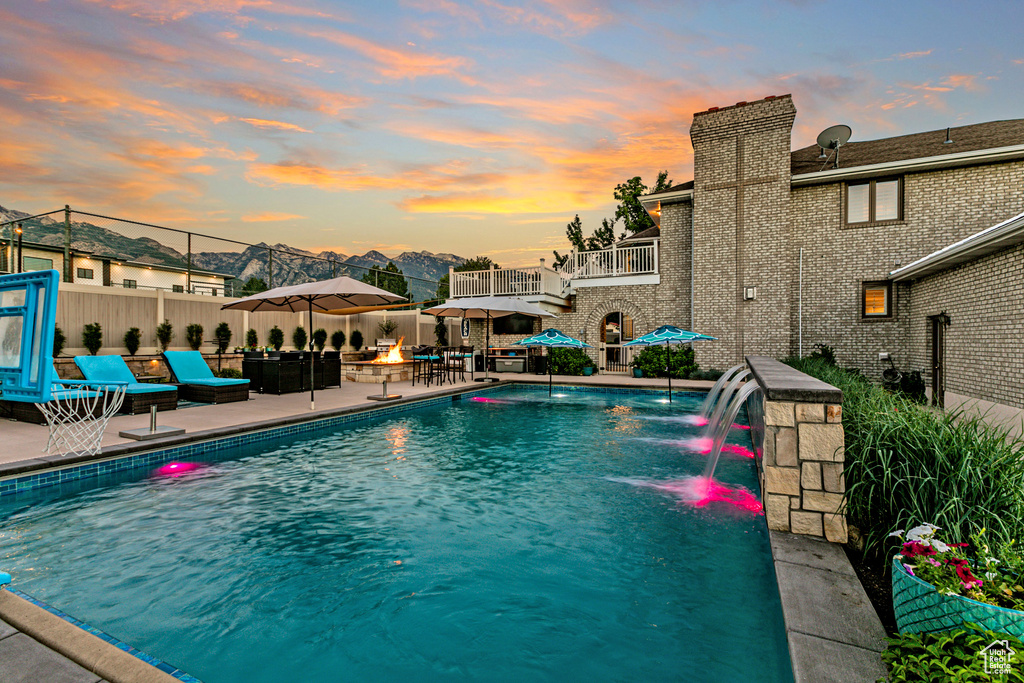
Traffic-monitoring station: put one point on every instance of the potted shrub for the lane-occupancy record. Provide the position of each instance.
(92, 337)
(338, 340)
(131, 340)
(299, 338)
(164, 334)
(252, 340)
(940, 587)
(387, 328)
(276, 338)
(59, 340)
(194, 336)
(319, 338)
(223, 336)
(638, 372)
(357, 340)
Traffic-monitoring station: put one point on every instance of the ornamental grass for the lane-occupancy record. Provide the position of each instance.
(906, 464)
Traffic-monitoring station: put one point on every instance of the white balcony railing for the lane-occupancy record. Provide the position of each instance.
(506, 282)
(614, 262)
(541, 280)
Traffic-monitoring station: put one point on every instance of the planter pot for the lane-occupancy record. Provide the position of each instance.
(637, 372)
(588, 371)
(920, 608)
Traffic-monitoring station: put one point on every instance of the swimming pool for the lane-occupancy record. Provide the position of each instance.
(512, 538)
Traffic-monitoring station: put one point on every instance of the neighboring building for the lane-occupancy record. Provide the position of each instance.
(88, 268)
(908, 246)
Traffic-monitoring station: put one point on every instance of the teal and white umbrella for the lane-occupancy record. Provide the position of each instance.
(553, 339)
(666, 335)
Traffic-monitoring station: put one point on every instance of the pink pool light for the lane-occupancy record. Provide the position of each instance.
(700, 492)
(176, 469)
(737, 450)
(481, 399)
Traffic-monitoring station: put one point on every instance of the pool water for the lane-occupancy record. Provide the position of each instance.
(519, 538)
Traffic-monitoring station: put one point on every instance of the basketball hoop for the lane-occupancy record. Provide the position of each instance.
(78, 414)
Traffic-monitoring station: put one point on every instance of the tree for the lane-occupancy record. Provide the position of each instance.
(59, 340)
(276, 337)
(630, 210)
(389, 278)
(475, 263)
(441, 331)
(357, 340)
(252, 339)
(299, 337)
(253, 285)
(319, 338)
(338, 340)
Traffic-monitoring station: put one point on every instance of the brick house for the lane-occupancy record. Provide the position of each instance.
(911, 246)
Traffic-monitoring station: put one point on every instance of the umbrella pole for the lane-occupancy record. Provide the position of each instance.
(668, 369)
(549, 374)
(312, 397)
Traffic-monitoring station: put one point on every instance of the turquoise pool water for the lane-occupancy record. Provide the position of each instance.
(514, 539)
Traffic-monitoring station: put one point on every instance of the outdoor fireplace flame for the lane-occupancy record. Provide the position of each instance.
(394, 355)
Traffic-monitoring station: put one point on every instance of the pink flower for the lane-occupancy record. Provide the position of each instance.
(914, 549)
(910, 570)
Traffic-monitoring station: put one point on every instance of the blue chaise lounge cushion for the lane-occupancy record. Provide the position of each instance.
(114, 369)
(190, 368)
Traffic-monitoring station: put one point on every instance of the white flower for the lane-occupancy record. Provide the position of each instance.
(938, 545)
(990, 576)
(897, 534)
(922, 533)
(991, 560)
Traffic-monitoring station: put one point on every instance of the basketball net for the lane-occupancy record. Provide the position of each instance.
(78, 415)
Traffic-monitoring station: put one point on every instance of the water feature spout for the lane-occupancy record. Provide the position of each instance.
(723, 428)
(723, 402)
(709, 400)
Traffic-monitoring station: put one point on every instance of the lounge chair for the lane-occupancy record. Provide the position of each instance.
(197, 382)
(138, 396)
(27, 412)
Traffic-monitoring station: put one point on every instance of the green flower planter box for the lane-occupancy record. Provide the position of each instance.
(920, 608)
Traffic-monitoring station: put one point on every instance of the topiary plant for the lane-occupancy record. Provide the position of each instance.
(194, 336)
(357, 340)
(276, 337)
(132, 338)
(299, 337)
(223, 336)
(319, 338)
(92, 337)
(441, 331)
(338, 340)
(164, 334)
(59, 340)
(252, 340)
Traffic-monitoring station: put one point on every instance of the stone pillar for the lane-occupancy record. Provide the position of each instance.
(802, 461)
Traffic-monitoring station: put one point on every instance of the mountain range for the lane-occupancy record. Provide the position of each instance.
(146, 244)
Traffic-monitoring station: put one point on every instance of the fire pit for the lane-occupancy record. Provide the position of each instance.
(388, 367)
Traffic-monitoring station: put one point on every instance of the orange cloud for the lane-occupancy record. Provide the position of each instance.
(965, 81)
(914, 55)
(275, 125)
(270, 217)
(176, 10)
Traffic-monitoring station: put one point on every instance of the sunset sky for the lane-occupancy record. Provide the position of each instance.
(476, 127)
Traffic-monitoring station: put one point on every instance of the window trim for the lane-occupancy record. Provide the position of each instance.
(889, 307)
(872, 201)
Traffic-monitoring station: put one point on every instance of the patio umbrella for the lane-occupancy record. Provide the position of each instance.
(487, 307)
(553, 339)
(324, 295)
(667, 335)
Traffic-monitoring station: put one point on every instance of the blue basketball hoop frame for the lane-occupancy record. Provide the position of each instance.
(28, 315)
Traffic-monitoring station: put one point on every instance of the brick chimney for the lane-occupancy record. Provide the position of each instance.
(744, 284)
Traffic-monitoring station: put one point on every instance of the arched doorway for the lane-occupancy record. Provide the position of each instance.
(616, 328)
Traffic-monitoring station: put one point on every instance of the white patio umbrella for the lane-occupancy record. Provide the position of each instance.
(322, 296)
(485, 308)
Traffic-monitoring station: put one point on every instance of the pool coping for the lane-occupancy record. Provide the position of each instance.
(818, 651)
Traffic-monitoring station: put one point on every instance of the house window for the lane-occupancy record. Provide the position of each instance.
(84, 273)
(131, 284)
(36, 263)
(178, 288)
(876, 300)
(873, 201)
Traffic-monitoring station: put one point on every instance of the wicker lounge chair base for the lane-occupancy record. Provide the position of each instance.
(214, 394)
(140, 403)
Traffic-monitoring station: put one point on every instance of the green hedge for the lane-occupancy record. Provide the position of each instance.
(569, 361)
(652, 361)
(953, 656)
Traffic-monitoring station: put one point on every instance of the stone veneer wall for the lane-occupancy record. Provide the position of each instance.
(801, 448)
(983, 299)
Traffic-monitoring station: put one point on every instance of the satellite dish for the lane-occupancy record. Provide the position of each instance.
(833, 138)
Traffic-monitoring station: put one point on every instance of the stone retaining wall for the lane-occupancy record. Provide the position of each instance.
(802, 453)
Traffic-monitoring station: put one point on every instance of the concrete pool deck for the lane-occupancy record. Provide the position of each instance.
(833, 631)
